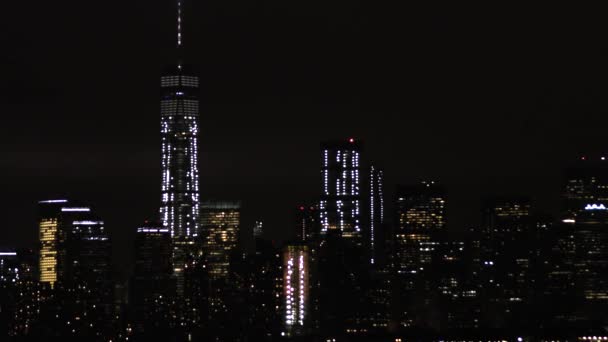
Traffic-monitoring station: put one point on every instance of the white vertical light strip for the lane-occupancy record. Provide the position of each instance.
(381, 195)
(302, 293)
(371, 212)
(179, 23)
(289, 295)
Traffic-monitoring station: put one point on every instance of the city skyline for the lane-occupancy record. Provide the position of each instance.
(68, 134)
(334, 171)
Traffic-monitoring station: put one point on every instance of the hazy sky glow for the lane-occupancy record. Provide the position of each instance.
(481, 99)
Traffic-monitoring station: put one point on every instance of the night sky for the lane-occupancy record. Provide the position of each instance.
(484, 99)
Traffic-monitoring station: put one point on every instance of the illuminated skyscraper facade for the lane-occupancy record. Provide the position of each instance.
(48, 251)
(376, 210)
(48, 237)
(340, 204)
(179, 138)
(179, 145)
(179, 107)
(296, 288)
(419, 216)
(420, 212)
(421, 208)
(220, 223)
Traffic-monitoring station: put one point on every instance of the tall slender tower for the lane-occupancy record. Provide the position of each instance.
(376, 210)
(179, 210)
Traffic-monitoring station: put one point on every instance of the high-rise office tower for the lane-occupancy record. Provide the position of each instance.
(421, 208)
(296, 288)
(419, 216)
(420, 212)
(591, 256)
(151, 286)
(307, 227)
(74, 263)
(55, 219)
(179, 135)
(376, 211)
(9, 278)
(179, 107)
(86, 276)
(508, 254)
(48, 236)
(220, 221)
(340, 205)
(87, 246)
(586, 184)
(9, 267)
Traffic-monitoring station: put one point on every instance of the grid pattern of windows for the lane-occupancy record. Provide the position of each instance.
(340, 205)
(220, 223)
(421, 208)
(48, 251)
(179, 143)
(295, 288)
(376, 207)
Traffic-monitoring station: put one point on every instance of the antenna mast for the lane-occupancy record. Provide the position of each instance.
(179, 23)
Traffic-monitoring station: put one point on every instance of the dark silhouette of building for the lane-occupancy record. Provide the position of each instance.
(307, 223)
(419, 216)
(152, 286)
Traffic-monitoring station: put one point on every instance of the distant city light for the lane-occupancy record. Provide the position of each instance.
(152, 230)
(8, 253)
(54, 201)
(595, 207)
(87, 223)
(82, 209)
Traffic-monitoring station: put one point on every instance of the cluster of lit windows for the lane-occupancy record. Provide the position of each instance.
(179, 210)
(340, 203)
(173, 81)
(429, 215)
(220, 225)
(48, 251)
(514, 210)
(295, 286)
(8, 272)
(413, 251)
(421, 207)
(376, 206)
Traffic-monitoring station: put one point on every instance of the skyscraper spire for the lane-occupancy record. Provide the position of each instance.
(179, 210)
(179, 23)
